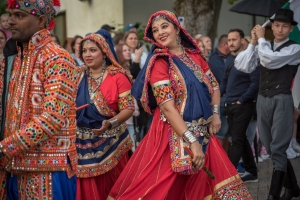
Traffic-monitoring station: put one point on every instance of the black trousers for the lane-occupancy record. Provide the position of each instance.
(239, 117)
(290, 180)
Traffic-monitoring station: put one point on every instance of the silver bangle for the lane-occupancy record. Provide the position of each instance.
(189, 137)
(215, 109)
(114, 123)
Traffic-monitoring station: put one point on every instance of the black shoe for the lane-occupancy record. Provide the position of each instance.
(276, 184)
(270, 197)
(290, 193)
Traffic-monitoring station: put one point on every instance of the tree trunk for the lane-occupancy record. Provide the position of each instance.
(201, 16)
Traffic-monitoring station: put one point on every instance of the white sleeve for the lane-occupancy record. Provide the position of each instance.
(143, 59)
(273, 59)
(247, 60)
(296, 90)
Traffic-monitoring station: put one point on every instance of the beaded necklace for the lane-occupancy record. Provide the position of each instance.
(186, 59)
(98, 80)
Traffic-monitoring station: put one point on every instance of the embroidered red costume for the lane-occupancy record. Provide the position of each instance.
(161, 168)
(102, 158)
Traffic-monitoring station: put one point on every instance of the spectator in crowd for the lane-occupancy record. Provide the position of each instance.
(241, 93)
(131, 40)
(296, 99)
(124, 57)
(3, 40)
(201, 46)
(198, 37)
(133, 67)
(55, 39)
(217, 63)
(246, 42)
(207, 45)
(75, 44)
(102, 139)
(4, 25)
(279, 62)
(293, 150)
(118, 39)
(108, 28)
(132, 27)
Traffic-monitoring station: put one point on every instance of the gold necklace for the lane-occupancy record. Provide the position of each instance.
(98, 80)
(186, 59)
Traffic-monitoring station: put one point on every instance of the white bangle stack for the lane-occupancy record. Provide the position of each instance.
(189, 137)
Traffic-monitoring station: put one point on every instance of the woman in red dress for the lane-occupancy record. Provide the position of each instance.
(180, 91)
(102, 139)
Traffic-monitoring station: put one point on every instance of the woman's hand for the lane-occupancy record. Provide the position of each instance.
(214, 125)
(138, 54)
(199, 156)
(105, 126)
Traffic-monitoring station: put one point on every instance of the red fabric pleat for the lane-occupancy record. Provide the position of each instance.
(148, 174)
(98, 187)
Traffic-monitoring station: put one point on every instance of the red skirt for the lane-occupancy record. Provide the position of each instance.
(148, 174)
(98, 187)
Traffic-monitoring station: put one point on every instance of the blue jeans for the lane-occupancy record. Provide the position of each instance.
(130, 128)
(224, 130)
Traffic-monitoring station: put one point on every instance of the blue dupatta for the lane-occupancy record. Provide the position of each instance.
(90, 117)
(199, 98)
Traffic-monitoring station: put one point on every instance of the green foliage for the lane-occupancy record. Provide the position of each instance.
(3, 6)
(231, 1)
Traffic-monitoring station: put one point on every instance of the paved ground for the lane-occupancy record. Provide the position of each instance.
(259, 191)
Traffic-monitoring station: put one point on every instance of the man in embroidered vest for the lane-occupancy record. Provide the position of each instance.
(279, 62)
(38, 156)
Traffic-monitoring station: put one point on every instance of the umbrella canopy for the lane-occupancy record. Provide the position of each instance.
(264, 8)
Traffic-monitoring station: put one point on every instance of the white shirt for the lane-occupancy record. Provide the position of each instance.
(246, 61)
(296, 90)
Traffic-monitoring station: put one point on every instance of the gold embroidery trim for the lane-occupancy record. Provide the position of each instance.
(123, 94)
(221, 184)
(158, 83)
(161, 103)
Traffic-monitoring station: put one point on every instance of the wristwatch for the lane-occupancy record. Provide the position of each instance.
(216, 109)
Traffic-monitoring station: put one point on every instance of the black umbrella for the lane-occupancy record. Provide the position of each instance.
(264, 8)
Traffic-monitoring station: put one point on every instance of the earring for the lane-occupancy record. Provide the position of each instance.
(178, 39)
(103, 62)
